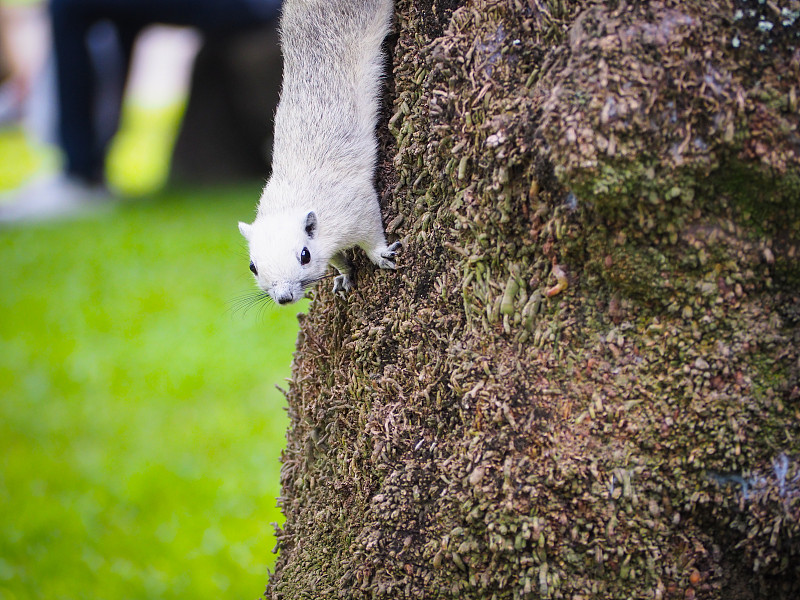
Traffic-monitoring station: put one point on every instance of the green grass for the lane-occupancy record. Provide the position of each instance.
(140, 429)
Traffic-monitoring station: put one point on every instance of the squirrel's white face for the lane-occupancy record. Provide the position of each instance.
(285, 255)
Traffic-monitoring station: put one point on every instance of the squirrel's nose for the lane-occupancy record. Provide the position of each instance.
(285, 299)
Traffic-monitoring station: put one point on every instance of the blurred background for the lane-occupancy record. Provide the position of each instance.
(140, 426)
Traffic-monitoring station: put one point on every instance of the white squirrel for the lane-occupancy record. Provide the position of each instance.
(320, 199)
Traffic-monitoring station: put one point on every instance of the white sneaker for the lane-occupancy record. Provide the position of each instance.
(53, 197)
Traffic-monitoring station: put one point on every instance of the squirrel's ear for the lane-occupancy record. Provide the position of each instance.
(246, 230)
(311, 224)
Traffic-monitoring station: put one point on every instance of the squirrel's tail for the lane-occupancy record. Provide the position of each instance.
(333, 48)
(335, 31)
(332, 68)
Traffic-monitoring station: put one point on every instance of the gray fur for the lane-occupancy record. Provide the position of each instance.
(325, 147)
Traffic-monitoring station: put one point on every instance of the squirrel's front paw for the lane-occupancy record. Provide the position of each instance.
(387, 260)
(342, 284)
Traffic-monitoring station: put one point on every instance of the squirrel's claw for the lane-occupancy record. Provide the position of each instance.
(388, 258)
(342, 284)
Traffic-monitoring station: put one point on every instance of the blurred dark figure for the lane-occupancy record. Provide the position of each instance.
(5, 68)
(226, 131)
(90, 84)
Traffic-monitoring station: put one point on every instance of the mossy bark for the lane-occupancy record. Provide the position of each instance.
(584, 379)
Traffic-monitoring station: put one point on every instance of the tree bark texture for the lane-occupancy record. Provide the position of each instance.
(583, 381)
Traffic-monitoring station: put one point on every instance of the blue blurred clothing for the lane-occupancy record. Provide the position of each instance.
(78, 68)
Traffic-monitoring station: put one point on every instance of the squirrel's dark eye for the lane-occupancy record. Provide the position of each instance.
(253, 268)
(305, 256)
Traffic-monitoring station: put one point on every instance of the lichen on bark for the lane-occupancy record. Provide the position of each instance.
(584, 379)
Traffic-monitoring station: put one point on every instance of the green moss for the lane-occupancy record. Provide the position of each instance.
(762, 198)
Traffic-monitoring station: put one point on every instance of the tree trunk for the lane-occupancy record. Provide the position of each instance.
(584, 379)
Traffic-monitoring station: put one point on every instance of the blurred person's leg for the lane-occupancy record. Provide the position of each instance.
(77, 86)
(83, 145)
(24, 46)
(80, 186)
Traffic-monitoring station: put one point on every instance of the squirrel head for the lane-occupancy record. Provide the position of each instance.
(286, 256)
